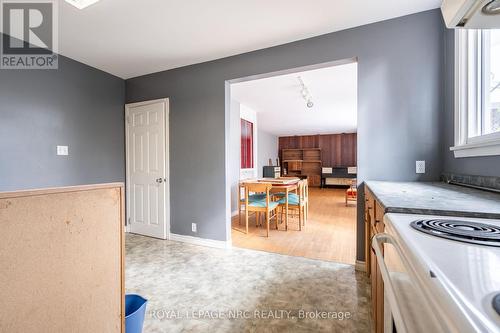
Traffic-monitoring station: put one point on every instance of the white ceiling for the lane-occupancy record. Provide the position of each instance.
(134, 37)
(281, 109)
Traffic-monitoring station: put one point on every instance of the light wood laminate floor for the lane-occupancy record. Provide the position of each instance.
(330, 233)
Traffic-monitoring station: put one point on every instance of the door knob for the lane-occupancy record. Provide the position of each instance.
(160, 180)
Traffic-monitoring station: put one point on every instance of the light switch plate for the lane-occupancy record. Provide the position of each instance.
(62, 150)
(193, 227)
(420, 167)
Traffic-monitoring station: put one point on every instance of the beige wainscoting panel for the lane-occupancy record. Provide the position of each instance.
(61, 256)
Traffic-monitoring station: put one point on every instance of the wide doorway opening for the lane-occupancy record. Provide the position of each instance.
(292, 166)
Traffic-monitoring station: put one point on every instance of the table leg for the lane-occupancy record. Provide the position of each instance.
(239, 205)
(286, 208)
(246, 220)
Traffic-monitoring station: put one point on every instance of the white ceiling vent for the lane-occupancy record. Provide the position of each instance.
(80, 4)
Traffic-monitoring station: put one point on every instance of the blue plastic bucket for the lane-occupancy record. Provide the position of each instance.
(135, 308)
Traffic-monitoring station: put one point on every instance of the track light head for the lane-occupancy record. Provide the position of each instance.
(305, 93)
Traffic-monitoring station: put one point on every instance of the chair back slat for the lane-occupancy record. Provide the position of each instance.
(257, 188)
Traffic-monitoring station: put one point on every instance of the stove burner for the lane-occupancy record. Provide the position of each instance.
(496, 303)
(463, 231)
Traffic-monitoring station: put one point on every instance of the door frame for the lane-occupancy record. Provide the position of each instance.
(228, 114)
(166, 105)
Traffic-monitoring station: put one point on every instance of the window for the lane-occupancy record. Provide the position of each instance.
(246, 144)
(477, 125)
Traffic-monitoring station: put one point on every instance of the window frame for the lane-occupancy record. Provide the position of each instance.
(470, 98)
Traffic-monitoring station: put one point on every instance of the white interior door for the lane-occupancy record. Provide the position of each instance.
(147, 168)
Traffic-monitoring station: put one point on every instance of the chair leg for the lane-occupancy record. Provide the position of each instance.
(307, 213)
(281, 214)
(246, 221)
(304, 215)
(301, 216)
(276, 218)
(239, 213)
(267, 224)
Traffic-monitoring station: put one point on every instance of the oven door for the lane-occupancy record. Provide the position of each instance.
(405, 307)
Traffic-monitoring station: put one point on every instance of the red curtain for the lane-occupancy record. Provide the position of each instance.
(246, 144)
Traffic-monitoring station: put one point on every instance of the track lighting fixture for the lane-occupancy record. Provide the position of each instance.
(306, 95)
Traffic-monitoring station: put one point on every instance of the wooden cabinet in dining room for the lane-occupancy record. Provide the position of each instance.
(304, 156)
(314, 180)
(303, 163)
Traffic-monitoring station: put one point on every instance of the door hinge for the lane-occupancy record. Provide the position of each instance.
(128, 221)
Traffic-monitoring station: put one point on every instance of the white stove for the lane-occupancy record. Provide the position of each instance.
(441, 274)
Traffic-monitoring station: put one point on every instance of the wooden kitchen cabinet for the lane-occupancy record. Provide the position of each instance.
(374, 224)
(369, 204)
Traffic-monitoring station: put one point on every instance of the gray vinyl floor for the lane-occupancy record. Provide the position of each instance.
(199, 289)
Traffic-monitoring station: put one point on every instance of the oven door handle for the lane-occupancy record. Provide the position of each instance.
(377, 241)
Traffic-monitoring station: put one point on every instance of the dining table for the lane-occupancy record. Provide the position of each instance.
(282, 184)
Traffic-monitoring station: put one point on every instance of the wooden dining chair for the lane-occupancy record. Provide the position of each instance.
(297, 202)
(242, 199)
(266, 205)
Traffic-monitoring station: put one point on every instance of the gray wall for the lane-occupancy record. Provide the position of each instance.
(75, 105)
(482, 166)
(267, 148)
(400, 78)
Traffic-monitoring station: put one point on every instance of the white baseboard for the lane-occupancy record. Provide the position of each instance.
(360, 266)
(233, 214)
(127, 228)
(200, 241)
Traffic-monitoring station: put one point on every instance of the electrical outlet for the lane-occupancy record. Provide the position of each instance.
(193, 227)
(420, 168)
(62, 150)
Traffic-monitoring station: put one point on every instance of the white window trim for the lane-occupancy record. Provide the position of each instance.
(250, 115)
(484, 145)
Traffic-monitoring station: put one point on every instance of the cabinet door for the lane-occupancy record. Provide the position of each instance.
(368, 237)
(315, 180)
(374, 269)
(379, 303)
(377, 288)
(369, 204)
